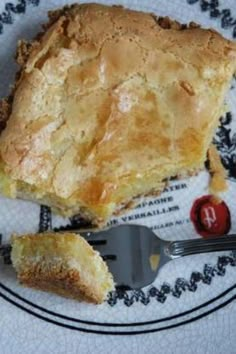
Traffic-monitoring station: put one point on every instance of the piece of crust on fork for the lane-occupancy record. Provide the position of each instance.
(62, 263)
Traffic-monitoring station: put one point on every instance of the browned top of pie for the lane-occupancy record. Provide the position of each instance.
(110, 103)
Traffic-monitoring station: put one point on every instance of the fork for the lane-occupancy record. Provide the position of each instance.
(135, 255)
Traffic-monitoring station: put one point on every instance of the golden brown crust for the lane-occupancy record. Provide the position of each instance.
(110, 103)
(22, 54)
(61, 263)
(218, 174)
(23, 51)
(5, 108)
(60, 281)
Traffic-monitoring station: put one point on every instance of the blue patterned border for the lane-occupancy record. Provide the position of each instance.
(7, 16)
(181, 285)
(227, 21)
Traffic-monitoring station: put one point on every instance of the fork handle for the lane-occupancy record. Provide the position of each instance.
(177, 249)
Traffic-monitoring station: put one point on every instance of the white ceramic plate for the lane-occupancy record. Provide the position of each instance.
(187, 289)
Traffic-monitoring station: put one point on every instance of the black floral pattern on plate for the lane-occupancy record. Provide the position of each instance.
(7, 16)
(227, 20)
(225, 141)
(181, 285)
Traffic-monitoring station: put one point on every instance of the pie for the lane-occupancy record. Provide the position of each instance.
(62, 263)
(110, 104)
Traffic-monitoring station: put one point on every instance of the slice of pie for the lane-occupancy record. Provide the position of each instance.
(61, 263)
(109, 104)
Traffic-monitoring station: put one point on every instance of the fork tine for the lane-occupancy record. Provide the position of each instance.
(5, 250)
(97, 242)
(109, 257)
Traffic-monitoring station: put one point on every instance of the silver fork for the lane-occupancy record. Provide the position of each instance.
(135, 254)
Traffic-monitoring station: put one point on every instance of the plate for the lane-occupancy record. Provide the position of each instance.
(186, 289)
